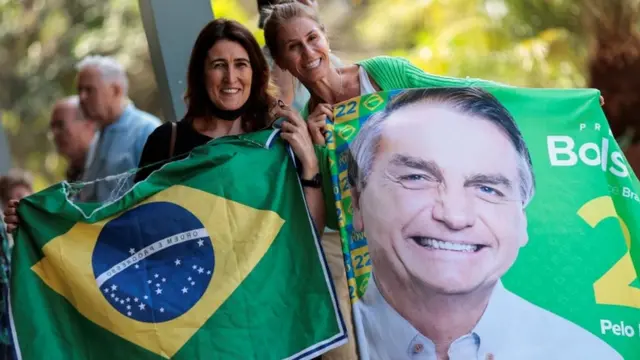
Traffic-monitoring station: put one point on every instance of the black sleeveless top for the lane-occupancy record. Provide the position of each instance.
(156, 149)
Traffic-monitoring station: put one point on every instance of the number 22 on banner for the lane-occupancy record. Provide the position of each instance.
(612, 288)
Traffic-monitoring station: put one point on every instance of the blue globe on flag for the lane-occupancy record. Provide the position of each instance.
(154, 262)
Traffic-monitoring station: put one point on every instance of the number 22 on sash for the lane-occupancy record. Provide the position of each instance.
(613, 287)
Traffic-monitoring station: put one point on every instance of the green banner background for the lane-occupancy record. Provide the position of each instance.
(579, 268)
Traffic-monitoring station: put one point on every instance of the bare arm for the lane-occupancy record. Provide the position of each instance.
(296, 133)
(314, 197)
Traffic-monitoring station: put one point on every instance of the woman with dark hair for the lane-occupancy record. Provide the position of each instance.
(229, 93)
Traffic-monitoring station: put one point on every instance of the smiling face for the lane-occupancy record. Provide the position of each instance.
(442, 206)
(303, 49)
(228, 75)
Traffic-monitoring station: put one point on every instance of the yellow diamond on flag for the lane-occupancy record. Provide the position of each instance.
(373, 102)
(151, 296)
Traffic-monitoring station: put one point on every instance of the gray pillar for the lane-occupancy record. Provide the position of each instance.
(172, 28)
(5, 152)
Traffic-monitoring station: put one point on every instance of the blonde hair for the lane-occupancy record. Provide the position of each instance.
(279, 14)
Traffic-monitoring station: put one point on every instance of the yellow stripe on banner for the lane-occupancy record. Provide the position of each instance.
(361, 261)
(345, 190)
(347, 111)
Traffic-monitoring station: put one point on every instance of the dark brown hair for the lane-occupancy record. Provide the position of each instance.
(263, 92)
(280, 13)
(14, 178)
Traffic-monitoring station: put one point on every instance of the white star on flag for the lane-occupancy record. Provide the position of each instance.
(185, 290)
(209, 272)
(149, 281)
(141, 306)
(200, 242)
(162, 310)
(132, 251)
(155, 276)
(194, 267)
(106, 290)
(114, 287)
(117, 299)
(121, 301)
(189, 278)
(200, 271)
(137, 267)
(128, 299)
(146, 297)
(135, 299)
(193, 283)
(164, 280)
(177, 262)
(129, 313)
(113, 295)
(128, 307)
(158, 291)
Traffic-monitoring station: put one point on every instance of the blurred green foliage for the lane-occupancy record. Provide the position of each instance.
(533, 43)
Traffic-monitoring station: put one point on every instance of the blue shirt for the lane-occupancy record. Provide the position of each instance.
(117, 151)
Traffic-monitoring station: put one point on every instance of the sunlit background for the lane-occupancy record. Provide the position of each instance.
(533, 43)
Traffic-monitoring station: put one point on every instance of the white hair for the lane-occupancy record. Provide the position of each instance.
(110, 69)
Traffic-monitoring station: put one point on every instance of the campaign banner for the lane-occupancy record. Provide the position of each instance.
(487, 223)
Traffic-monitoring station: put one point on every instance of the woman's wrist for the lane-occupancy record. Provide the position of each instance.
(310, 169)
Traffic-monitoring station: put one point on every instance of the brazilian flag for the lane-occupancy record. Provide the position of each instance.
(212, 257)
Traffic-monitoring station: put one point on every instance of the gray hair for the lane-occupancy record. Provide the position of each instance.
(110, 69)
(472, 101)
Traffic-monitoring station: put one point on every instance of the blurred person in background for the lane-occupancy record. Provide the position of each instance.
(14, 186)
(17, 184)
(73, 135)
(292, 91)
(102, 88)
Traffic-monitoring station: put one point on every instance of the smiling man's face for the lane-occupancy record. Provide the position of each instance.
(442, 207)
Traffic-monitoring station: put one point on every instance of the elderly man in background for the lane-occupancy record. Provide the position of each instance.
(74, 136)
(102, 88)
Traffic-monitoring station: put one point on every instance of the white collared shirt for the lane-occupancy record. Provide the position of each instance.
(511, 328)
